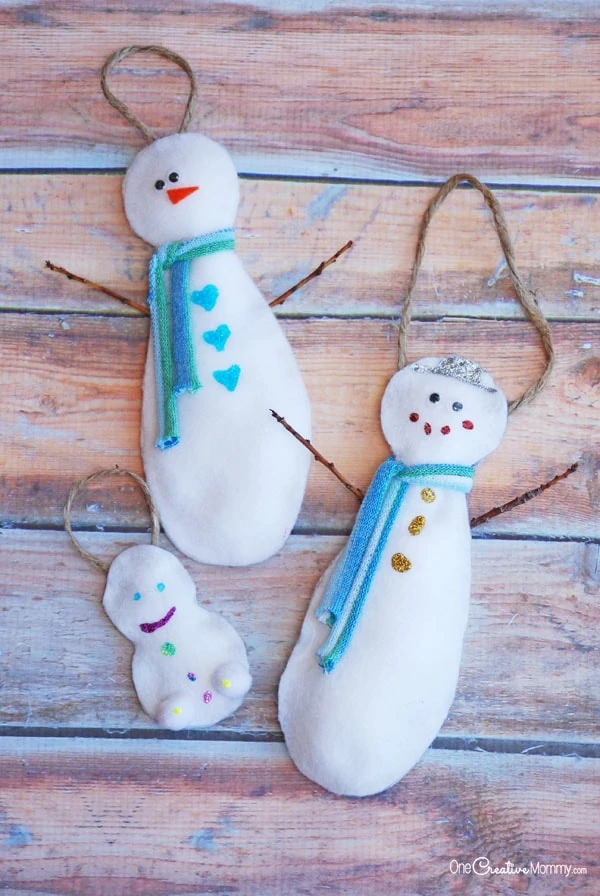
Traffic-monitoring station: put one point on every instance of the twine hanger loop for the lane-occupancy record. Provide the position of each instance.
(124, 109)
(524, 295)
(83, 483)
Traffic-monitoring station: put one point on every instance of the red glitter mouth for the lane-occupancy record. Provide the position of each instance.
(150, 627)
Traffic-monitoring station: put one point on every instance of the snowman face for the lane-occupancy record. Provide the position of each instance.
(145, 590)
(180, 187)
(430, 418)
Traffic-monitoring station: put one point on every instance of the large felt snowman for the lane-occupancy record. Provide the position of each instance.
(189, 667)
(227, 480)
(374, 672)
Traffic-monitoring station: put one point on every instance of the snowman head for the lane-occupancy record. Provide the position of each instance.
(146, 588)
(443, 410)
(180, 187)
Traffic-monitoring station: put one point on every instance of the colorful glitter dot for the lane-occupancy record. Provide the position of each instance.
(191, 676)
(416, 525)
(207, 696)
(428, 495)
(467, 424)
(168, 649)
(413, 417)
(225, 682)
(401, 563)
(177, 711)
(445, 430)
(137, 596)
(427, 429)
(160, 586)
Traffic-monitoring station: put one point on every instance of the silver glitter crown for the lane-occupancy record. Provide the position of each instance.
(459, 369)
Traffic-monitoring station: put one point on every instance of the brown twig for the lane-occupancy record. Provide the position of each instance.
(476, 521)
(142, 308)
(357, 492)
(109, 292)
(521, 499)
(316, 273)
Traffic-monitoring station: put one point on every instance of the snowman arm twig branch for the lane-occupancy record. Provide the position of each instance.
(108, 292)
(476, 521)
(144, 310)
(316, 273)
(521, 499)
(357, 492)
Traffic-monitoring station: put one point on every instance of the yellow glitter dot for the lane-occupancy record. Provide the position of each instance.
(177, 711)
(416, 526)
(401, 563)
(225, 682)
(428, 495)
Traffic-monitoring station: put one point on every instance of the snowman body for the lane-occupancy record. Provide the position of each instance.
(361, 726)
(230, 490)
(189, 668)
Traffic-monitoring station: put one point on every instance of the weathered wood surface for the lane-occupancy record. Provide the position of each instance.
(369, 91)
(240, 818)
(285, 228)
(375, 102)
(72, 387)
(529, 667)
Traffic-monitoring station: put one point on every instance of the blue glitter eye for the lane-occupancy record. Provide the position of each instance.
(137, 596)
(160, 586)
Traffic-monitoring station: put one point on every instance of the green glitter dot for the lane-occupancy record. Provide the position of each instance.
(168, 649)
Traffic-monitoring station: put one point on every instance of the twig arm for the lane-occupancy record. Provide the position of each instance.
(521, 499)
(97, 286)
(318, 456)
(316, 273)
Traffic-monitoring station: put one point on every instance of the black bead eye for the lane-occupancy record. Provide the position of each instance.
(159, 185)
(173, 177)
(457, 406)
(434, 397)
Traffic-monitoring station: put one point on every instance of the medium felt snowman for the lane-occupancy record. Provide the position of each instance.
(189, 667)
(374, 672)
(227, 481)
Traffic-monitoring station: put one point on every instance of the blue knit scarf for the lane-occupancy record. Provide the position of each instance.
(174, 357)
(349, 586)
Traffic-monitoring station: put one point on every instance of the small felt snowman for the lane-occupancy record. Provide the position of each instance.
(374, 672)
(227, 481)
(189, 666)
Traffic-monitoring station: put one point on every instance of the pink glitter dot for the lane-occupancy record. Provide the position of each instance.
(207, 696)
(445, 430)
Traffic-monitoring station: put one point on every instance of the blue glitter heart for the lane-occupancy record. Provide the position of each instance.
(218, 337)
(228, 378)
(206, 297)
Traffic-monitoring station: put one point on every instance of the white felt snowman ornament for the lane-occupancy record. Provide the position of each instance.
(189, 666)
(374, 672)
(227, 481)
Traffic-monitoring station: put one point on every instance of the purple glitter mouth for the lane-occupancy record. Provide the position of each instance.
(150, 627)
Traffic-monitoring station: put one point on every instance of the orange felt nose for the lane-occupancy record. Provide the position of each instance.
(180, 193)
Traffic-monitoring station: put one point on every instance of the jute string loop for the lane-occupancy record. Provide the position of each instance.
(101, 474)
(524, 295)
(124, 109)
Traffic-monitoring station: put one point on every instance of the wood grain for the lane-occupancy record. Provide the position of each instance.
(73, 394)
(528, 669)
(285, 228)
(356, 91)
(82, 818)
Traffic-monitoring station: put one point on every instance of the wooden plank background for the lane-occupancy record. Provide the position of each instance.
(342, 116)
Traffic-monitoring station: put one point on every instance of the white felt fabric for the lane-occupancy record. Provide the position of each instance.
(190, 668)
(360, 728)
(230, 492)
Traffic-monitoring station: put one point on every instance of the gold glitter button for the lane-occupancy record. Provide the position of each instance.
(416, 526)
(428, 495)
(401, 563)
